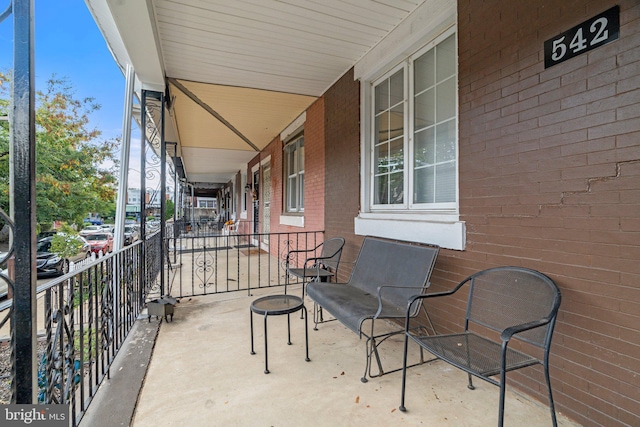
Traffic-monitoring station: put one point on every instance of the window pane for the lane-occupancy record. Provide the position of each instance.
(424, 72)
(396, 187)
(446, 183)
(423, 185)
(301, 157)
(382, 96)
(446, 58)
(424, 147)
(446, 141)
(425, 109)
(396, 155)
(381, 190)
(292, 193)
(446, 100)
(301, 197)
(382, 127)
(396, 90)
(396, 122)
(381, 159)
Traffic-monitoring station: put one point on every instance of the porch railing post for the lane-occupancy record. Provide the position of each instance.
(164, 247)
(23, 206)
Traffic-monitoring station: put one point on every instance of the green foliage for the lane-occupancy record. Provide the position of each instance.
(66, 243)
(71, 176)
(169, 209)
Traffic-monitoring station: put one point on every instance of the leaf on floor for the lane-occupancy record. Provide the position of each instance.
(357, 399)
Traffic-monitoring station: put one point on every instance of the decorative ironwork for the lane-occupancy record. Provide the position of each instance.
(205, 267)
(5, 221)
(87, 315)
(7, 12)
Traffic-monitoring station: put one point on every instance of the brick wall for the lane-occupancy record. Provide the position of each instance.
(550, 179)
(313, 179)
(342, 173)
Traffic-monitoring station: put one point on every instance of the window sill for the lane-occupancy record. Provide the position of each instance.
(292, 220)
(443, 230)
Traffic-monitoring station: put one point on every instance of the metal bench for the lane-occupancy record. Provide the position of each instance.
(507, 307)
(385, 275)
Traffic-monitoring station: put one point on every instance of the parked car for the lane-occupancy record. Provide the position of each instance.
(108, 228)
(51, 264)
(100, 242)
(131, 234)
(43, 234)
(90, 229)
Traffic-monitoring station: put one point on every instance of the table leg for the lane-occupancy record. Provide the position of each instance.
(251, 323)
(289, 329)
(266, 357)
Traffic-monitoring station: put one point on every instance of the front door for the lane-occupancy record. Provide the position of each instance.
(266, 202)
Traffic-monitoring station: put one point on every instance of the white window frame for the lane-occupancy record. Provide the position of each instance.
(294, 144)
(427, 223)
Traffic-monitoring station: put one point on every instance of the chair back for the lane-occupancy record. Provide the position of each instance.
(505, 296)
(390, 262)
(332, 252)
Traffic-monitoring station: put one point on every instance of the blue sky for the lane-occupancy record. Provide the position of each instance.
(69, 44)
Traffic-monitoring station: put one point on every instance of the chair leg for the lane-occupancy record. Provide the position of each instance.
(367, 361)
(548, 378)
(404, 371)
(306, 333)
(503, 386)
(470, 386)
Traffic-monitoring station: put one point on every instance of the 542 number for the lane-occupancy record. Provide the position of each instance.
(590, 34)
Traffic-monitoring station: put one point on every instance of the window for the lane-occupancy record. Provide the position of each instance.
(414, 138)
(294, 174)
(409, 134)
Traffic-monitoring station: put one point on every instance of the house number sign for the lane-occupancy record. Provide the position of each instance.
(588, 35)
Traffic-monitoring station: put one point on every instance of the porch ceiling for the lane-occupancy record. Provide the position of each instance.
(239, 72)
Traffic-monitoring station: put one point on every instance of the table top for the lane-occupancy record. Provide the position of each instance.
(277, 304)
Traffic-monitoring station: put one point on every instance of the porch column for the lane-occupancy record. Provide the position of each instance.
(143, 196)
(164, 247)
(123, 183)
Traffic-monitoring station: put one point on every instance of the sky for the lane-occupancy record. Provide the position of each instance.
(69, 44)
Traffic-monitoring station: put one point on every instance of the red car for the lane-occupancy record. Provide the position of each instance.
(100, 242)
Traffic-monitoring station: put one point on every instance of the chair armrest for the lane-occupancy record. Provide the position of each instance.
(506, 335)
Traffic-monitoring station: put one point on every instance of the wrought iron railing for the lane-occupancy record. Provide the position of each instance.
(83, 319)
(212, 262)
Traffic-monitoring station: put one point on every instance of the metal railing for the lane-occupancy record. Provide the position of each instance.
(202, 263)
(83, 319)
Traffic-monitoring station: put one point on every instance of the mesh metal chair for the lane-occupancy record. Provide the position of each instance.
(317, 268)
(517, 303)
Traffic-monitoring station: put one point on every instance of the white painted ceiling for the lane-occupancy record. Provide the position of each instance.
(240, 71)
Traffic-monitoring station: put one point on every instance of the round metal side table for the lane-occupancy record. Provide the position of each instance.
(276, 305)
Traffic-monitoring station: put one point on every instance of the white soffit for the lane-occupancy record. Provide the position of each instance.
(209, 165)
(296, 46)
(257, 63)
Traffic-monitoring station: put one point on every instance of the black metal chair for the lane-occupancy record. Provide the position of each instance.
(317, 268)
(517, 303)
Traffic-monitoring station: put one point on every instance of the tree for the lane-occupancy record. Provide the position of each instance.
(169, 208)
(75, 168)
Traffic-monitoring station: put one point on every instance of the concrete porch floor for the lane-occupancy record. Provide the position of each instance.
(201, 374)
